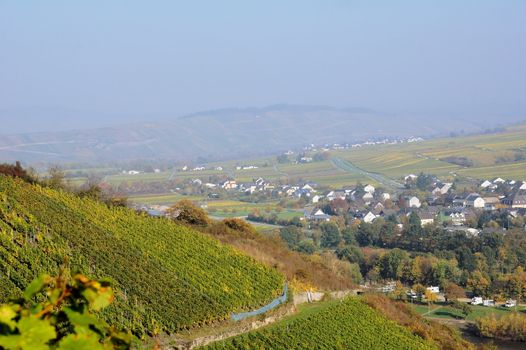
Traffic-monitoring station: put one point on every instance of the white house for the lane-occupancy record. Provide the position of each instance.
(317, 215)
(441, 190)
(332, 195)
(386, 196)
(308, 187)
(474, 200)
(499, 181)
(523, 186)
(229, 185)
(378, 207)
(433, 289)
(410, 177)
(457, 219)
(367, 197)
(316, 198)
(369, 189)
(426, 218)
(369, 217)
(412, 202)
(485, 184)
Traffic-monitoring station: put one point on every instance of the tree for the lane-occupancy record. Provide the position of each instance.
(352, 254)
(419, 290)
(414, 224)
(283, 159)
(453, 291)
(62, 319)
(349, 235)
(399, 292)
(330, 235)
(478, 284)
(306, 247)
(462, 307)
(56, 177)
(392, 263)
(187, 212)
(430, 297)
(17, 170)
(338, 206)
(423, 181)
(292, 235)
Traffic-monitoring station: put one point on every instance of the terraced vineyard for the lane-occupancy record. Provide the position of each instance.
(167, 277)
(347, 324)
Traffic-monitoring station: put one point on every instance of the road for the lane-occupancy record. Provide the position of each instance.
(255, 223)
(381, 179)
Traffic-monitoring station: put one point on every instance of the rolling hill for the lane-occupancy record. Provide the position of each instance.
(226, 134)
(167, 277)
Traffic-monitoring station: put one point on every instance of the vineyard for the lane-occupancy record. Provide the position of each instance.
(167, 277)
(347, 324)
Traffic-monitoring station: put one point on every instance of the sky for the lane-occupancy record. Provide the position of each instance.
(74, 64)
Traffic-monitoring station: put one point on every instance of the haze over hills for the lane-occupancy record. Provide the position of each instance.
(229, 133)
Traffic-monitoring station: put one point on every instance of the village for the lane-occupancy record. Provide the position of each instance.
(491, 205)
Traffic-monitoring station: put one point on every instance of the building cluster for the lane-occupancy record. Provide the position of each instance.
(439, 203)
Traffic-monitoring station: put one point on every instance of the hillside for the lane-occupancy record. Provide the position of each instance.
(167, 277)
(348, 324)
(226, 134)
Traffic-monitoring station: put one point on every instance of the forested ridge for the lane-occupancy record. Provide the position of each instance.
(167, 277)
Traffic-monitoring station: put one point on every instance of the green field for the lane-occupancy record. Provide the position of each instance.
(346, 324)
(193, 279)
(483, 151)
(443, 311)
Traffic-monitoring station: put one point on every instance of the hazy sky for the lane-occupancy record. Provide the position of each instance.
(103, 62)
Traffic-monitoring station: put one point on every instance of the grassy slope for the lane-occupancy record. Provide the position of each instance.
(483, 150)
(347, 324)
(167, 277)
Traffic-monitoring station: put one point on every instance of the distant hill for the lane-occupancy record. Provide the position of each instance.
(167, 277)
(226, 134)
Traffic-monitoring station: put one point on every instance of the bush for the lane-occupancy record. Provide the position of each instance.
(63, 320)
(508, 327)
(239, 225)
(187, 212)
